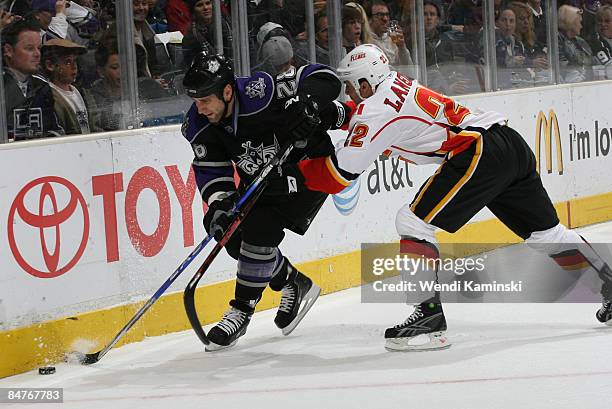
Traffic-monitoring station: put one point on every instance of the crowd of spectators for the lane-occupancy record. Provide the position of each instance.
(62, 71)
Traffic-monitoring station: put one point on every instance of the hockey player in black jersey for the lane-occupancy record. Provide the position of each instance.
(243, 123)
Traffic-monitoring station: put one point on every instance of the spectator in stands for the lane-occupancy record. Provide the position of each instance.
(539, 19)
(156, 17)
(321, 42)
(178, 15)
(438, 47)
(442, 73)
(366, 31)
(510, 51)
(59, 64)
(575, 55)
(525, 32)
(392, 43)
(276, 55)
(28, 97)
(201, 33)
(106, 91)
(602, 42)
(352, 22)
(83, 23)
(144, 39)
(51, 17)
(589, 9)
(64, 19)
(275, 51)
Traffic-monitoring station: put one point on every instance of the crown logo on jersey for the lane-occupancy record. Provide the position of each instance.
(256, 156)
(256, 89)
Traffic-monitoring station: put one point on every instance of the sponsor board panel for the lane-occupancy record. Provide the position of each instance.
(52, 252)
(140, 201)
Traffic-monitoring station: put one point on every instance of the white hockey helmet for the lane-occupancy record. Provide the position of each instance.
(364, 62)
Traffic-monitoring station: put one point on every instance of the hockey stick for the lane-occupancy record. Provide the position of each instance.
(91, 358)
(88, 359)
(240, 211)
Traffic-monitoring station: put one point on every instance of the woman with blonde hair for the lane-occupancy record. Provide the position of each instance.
(525, 32)
(575, 54)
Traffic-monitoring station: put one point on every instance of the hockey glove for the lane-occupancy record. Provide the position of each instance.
(286, 179)
(218, 217)
(335, 115)
(302, 119)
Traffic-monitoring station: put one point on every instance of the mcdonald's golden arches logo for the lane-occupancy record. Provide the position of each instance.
(550, 126)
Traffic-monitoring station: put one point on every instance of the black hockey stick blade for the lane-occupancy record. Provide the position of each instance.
(83, 359)
(91, 358)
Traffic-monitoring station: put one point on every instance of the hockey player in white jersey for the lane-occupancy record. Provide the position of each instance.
(482, 162)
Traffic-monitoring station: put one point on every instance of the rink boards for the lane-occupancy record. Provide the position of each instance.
(93, 225)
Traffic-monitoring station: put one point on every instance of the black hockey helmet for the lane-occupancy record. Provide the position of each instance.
(207, 75)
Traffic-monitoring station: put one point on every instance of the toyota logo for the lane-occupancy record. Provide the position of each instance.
(32, 217)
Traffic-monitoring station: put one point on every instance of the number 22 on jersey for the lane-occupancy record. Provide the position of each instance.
(431, 102)
(355, 137)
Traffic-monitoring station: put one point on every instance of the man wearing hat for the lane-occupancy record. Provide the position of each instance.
(59, 63)
(275, 53)
(28, 97)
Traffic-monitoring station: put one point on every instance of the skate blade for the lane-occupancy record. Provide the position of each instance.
(212, 347)
(437, 341)
(307, 303)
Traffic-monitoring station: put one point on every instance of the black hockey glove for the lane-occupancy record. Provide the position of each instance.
(334, 115)
(302, 119)
(286, 179)
(218, 217)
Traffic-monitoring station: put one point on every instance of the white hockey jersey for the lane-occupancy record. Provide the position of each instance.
(402, 119)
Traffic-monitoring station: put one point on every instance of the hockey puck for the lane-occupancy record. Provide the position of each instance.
(46, 370)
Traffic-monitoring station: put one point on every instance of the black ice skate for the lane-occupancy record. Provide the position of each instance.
(298, 296)
(427, 319)
(226, 333)
(604, 314)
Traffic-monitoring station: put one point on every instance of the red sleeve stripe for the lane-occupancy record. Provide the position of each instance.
(570, 260)
(418, 249)
(351, 104)
(321, 175)
(416, 118)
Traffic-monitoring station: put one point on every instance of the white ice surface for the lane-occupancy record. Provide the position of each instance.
(504, 356)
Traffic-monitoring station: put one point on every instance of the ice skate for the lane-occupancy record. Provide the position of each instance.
(427, 321)
(298, 296)
(604, 314)
(226, 333)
